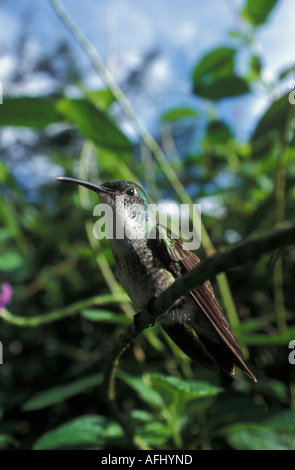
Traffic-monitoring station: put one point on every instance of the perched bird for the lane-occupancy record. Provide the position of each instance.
(148, 259)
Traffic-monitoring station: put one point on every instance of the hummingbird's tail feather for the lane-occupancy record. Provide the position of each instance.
(189, 344)
(225, 357)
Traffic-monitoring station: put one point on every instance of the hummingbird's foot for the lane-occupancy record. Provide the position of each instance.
(137, 320)
(149, 309)
(150, 305)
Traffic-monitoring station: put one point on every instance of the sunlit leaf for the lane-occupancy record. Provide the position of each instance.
(144, 390)
(81, 432)
(154, 433)
(217, 63)
(257, 11)
(11, 260)
(177, 114)
(93, 123)
(101, 98)
(189, 389)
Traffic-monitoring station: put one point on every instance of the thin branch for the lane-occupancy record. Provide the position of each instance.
(61, 313)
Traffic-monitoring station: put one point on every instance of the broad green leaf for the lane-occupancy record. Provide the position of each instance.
(81, 432)
(257, 11)
(93, 123)
(58, 394)
(218, 132)
(271, 127)
(255, 437)
(189, 389)
(154, 433)
(143, 388)
(104, 316)
(28, 112)
(223, 87)
(177, 114)
(217, 63)
(102, 99)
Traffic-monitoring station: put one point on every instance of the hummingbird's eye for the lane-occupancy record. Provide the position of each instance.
(131, 192)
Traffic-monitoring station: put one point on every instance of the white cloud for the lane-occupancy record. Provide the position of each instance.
(7, 67)
(186, 32)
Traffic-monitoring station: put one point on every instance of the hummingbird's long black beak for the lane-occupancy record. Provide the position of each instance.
(86, 184)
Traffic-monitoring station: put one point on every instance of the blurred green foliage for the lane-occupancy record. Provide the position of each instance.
(51, 394)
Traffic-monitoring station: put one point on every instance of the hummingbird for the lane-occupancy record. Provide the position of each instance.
(148, 259)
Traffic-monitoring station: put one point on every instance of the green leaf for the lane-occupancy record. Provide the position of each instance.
(255, 66)
(58, 394)
(155, 433)
(81, 432)
(104, 316)
(177, 114)
(283, 421)
(223, 87)
(217, 63)
(169, 387)
(257, 11)
(255, 437)
(218, 132)
(102, 99)
(11, 261)
(270, 127)
(93, 123)
(116, 164)
(144, 390)
(28, 112)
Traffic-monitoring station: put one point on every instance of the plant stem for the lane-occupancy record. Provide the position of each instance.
(61, 313)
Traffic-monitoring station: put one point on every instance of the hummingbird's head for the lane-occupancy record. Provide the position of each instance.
(128, 201)
(108, 192)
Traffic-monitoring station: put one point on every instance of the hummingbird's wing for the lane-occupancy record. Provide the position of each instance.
(224, 347)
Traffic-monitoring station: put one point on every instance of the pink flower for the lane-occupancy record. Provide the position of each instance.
(6, 294)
